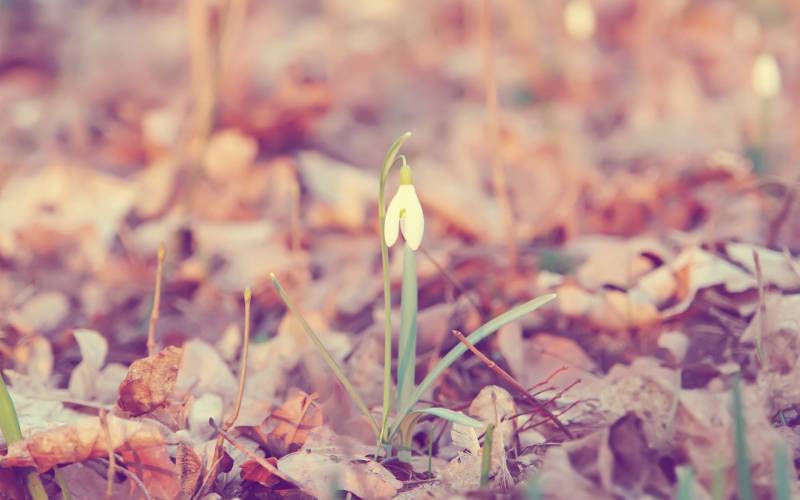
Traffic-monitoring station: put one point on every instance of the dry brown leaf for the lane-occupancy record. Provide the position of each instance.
(150, 381)
(93, 348)
(84, 482)
(153, 466)
(777, 268)
(253, 471)
(81, 441)
(189, 465)
(288, 426)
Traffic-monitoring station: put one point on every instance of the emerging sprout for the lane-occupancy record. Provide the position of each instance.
(579, 20)
(405, 213)
(766, 76)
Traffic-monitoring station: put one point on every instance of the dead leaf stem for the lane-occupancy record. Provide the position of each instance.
(493, 131)
(151, 331)
(261, 461)
(112, 458)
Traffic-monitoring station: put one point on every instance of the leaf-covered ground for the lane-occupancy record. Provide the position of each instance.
(648, 177)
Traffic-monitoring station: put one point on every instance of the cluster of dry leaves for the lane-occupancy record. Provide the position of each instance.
(629, 159)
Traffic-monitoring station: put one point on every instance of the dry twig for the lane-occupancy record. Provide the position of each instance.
(151, 331)
(513, 382)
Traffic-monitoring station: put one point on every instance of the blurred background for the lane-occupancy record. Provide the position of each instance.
(247, 136)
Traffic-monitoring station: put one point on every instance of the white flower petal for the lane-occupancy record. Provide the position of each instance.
(413, 223)
(392, 222)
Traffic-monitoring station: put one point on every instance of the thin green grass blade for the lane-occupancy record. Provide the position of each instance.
(486, 455)
(407, 353)
(455, 417)
(479, 334)
(326, 356)
(9, 423)
(685, 483)
(9, 426)
(743, 481)
(782, 482)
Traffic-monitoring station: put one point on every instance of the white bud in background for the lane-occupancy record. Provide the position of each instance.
(579, 19)
(766, 76)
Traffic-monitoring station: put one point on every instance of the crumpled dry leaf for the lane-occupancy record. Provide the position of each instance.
(150, 381)
(341, 193)
(615, 261)
(268, 367)
(292, 422)
(493, 406)
(697, 269)
(533, 360)
(45, 199)
(208, 406)
(81, 441)
(153, 466)
(463, 472)
(780, 344)
(41, 313)
(93, 348)
(84, 482)
(203, 370)
(189, 466)
(253, 471)
(327, 463)
(776, 267)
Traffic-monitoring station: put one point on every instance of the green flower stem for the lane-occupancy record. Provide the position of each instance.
(9, 425)
(406, 356)
(388, 161)
(326, 356)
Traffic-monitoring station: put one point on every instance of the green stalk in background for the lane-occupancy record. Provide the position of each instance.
(743, 480)
(486, 455)
(9, 425)
(685, 483)
(781, 472)
(388, 161)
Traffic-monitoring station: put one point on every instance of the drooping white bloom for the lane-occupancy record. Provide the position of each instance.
(579, 19)
(404, 214)
(766, 76)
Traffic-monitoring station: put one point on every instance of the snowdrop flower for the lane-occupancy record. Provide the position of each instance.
(404, 213)
(766, 76)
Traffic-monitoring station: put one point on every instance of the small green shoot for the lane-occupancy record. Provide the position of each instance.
(781, 471)
(685, 483)
(743, 480)
(486, 455)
